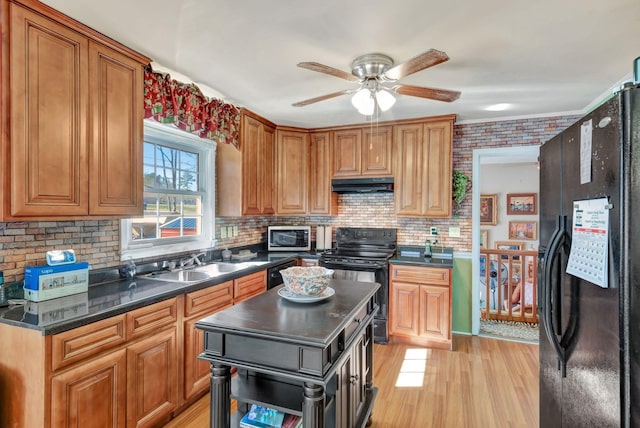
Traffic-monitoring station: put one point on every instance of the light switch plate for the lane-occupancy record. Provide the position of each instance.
(454, 232)
(223, 232)
(235, 231)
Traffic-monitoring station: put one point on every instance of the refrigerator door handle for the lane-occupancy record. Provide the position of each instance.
(559, 235)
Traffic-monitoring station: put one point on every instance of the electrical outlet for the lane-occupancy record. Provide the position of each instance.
(223, 232)
(433, 231)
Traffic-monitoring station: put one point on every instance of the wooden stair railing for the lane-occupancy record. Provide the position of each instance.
(509, 280)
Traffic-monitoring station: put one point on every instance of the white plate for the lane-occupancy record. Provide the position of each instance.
(286, 294)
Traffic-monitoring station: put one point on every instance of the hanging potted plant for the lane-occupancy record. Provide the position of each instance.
(460, 187)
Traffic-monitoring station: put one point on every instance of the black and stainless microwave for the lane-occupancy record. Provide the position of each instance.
(289, 238)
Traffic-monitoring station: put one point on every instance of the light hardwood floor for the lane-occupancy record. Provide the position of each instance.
(484, 382)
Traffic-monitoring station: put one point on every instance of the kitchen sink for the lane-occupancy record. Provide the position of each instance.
(224, 267)
(185, 276)
(218, 268)
(201, 273)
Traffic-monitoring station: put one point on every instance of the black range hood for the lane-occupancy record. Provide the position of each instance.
(362, 185)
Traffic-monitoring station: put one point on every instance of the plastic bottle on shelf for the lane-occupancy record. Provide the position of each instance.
(427, 248)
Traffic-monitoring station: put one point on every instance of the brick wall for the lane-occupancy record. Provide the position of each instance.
(25, 243)
(98, 241)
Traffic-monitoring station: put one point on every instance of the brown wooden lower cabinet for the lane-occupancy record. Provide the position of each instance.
(152, 381)
(249, 286)
(91, 395)
(136, 369)
(420, 306)
(197, 305)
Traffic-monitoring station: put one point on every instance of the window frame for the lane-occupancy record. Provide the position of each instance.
(170, 136)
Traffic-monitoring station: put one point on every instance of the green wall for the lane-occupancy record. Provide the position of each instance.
(461, 298)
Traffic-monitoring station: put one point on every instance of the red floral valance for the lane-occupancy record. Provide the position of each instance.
(183, 105)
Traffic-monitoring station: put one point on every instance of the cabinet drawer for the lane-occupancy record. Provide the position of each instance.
(420, 275)
(83, 342)
(249, 286)
(355, 323)
(208, 299)
(148, 319)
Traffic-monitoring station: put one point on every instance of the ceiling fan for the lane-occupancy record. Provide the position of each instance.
(377, 75)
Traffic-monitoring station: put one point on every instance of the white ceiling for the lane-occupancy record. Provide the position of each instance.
(542, 57)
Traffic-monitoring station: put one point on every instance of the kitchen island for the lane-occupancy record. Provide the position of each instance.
(313, 360)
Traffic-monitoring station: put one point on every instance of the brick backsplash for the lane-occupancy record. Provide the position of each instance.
(98, 241)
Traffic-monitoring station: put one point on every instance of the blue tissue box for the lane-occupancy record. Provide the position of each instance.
(50, 282)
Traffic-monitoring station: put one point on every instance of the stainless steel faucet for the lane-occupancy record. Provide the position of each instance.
(196, 258)
(193, 258)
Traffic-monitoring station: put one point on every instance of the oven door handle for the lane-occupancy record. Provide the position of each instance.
(351, 266)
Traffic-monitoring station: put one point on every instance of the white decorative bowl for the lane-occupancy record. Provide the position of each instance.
(306, 281)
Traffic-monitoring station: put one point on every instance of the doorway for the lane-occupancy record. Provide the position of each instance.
(481, 158)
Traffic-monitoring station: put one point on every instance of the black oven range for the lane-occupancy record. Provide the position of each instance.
(362, 254)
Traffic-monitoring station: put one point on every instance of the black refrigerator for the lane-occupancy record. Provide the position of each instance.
(589, 333)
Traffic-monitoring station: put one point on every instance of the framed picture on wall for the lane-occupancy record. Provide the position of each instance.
(488, 210)
(521, 203)
(484, 238)
(523, 230)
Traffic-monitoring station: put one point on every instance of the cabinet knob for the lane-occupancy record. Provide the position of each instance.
(357, 320)
(354, 379)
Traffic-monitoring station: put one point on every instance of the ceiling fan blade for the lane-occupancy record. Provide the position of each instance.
(432, 93)
(425, 60)
(321, 98)
(321, 68)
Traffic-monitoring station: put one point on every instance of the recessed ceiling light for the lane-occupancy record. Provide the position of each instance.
(498, 107)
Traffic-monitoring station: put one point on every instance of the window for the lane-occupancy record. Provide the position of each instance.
(179, 195)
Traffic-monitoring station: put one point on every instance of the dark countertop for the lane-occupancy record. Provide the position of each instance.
(406, 255)
(270, 315)
(118, 296)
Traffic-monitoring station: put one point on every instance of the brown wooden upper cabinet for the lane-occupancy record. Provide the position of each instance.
(292, 171)
(322, 201)
(363, 151)
(245, 177)
(72, 119)
(423, 167)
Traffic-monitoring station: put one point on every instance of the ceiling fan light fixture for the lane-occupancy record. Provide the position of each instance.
(363, 101)
(385, 99)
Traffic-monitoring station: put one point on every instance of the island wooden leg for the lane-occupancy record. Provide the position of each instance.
(220, 402)
(313, 406)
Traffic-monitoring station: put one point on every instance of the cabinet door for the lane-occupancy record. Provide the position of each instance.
(405, 309)
(358, 378)
(200, 304)
(91, 395)
(321, 199)
(48, 100)
(196, 372)
(376, 151)
(347, 159)
(407, 149)
(251, 136)
(436, 169)
(152, 381)
(115, 133)
(266, 178)
(435, 317)
(343, 394)
(292, 172)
